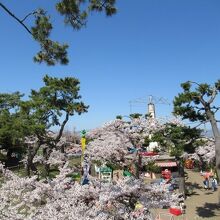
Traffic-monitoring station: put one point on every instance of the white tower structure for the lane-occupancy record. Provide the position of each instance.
(151, 108)
(151, 102)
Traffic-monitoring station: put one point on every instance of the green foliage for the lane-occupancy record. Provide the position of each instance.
(135, 115)
(43, 27)
(151, 167)
(74, 176)
(97, 162)
(217, 85)
(176, 139)
(13, 127)
(118, 117)
(147, 141)
(9, 101)
(194, 102)
(51, 51)
(83, 133)
(75, 162)
(198, 103)
(57, 96)
(156, 150)
(51, 106)
(146, 116)
(100, 5)
(176, 151)
(75, 13)
(114, 166)
(186, 86)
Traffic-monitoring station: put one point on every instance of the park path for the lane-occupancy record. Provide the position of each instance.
(202, 204)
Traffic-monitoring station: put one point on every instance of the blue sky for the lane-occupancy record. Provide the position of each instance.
(148, 48)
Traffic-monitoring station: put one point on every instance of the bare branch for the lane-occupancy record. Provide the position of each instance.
(198, 108)
(215, 108)
(214, 93)
(76, 20)
(204, 103)
(32, 13)
(202, 123)
(62, 127)
(194, 83)
(16, 18)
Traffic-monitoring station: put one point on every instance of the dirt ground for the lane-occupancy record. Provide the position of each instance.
(201, 203)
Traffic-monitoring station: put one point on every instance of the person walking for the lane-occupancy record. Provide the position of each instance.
(206, 183)
(206, 180)
(214, 183)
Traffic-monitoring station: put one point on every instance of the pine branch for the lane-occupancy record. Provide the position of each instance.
(214, 93)
(216, 109)
(192, 82)
(62, 128)
(16, 18)
(200, 124)
(77, 20)
(198, 108)
(32, 13)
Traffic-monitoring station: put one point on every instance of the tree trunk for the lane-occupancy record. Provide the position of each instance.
(62, 149)
(32, 151)
(216, 134)
(138, 166)
(217, 151)
(31, 166)
(182, 179)
(46, 154)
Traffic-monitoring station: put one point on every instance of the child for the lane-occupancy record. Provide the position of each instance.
(206, 176)
(205, 182)
(214, 184)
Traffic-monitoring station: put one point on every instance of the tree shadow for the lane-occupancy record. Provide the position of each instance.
(191, 188)
(208, 210)
(196, 186)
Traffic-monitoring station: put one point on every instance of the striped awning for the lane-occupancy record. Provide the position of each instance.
(166, 164)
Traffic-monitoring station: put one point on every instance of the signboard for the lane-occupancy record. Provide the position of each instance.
(166, 164)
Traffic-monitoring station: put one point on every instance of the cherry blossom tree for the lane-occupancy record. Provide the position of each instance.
(112, 140)
(207, 152)
(27, 198)
(55, 156)
(204, 153)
